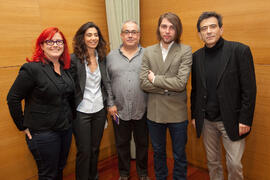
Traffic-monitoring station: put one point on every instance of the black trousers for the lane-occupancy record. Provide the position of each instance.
(88, 131)
(122, 138)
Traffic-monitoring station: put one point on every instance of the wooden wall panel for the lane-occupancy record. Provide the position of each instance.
(21, 23)
(246, 21)
(18, 28)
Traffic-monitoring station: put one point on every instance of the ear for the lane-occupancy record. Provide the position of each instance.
(200, 36)
(42, 46)
(221, 31)
(122, 36)
(139, 35)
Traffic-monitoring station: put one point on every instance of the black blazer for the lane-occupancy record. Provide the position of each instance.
(78, 72)
(236, 88)
(36, 84)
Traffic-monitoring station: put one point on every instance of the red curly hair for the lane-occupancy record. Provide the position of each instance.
(38, 54)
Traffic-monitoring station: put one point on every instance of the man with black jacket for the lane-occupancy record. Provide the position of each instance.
(222, 97)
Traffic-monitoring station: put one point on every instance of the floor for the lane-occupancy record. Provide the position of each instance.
(108, 170)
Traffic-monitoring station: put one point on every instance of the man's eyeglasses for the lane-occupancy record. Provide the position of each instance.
(126, 32)
(52, 42)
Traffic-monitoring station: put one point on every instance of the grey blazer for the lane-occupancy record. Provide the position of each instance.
(167, 95)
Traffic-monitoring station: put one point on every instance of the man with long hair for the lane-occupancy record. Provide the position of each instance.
(164, 75)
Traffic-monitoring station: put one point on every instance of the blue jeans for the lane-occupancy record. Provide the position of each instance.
(50, 150)
(178, 132)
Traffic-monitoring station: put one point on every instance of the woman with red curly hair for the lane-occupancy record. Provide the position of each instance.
(47, 88)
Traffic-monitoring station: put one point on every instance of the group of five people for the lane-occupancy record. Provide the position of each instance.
(144, 91)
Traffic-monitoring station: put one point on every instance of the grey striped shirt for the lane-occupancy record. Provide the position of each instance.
(127, 95)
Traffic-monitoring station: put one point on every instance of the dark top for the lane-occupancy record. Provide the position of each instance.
(66, 92)
(48, 98)
(212, 69)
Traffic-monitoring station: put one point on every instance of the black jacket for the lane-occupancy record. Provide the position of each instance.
(36, 84)
(236, 88)
(78, 72)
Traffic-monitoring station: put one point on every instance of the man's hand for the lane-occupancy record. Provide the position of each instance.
(113, 111)
(151, 76)
(243, 129)
(193, 123)
(27, 132)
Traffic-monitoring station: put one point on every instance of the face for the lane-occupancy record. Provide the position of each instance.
(167, 31)
(130, 35)
(54, 47)
(91, 38)
(210, 32)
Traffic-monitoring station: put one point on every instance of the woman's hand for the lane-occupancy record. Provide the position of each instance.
(27, 132)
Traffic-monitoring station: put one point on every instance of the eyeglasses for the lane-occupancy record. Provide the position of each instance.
(133, 33)
(52, 42)
(211, 27)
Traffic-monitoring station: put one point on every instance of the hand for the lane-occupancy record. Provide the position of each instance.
(193, 123)
(243, 129)
(113, 111)
(27, 132)
(151, 76)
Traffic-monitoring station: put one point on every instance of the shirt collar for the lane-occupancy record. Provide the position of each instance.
(137, 53)
(169, 47)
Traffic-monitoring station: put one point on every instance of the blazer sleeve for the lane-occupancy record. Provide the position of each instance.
(248, 86)
(20, 89)
(145, 84)
(179, 81)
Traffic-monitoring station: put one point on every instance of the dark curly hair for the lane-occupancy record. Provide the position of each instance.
(79, 46)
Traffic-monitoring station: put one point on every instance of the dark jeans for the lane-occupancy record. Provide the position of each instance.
(88, 132)
(50, 150)
(178, 132)
(123, 137)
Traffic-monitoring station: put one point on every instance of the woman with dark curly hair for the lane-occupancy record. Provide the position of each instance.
(88, 68)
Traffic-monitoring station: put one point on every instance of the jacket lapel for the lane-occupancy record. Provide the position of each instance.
(102, 68)
(81, 73)
(158, 58)
(50, 73)
(170, 57)
(201, 66)
(225, 57)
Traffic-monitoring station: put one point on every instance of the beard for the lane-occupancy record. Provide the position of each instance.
(167, 41)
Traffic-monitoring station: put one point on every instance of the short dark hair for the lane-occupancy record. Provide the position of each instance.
(209, 14)
(79, 46)
(175, 20)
